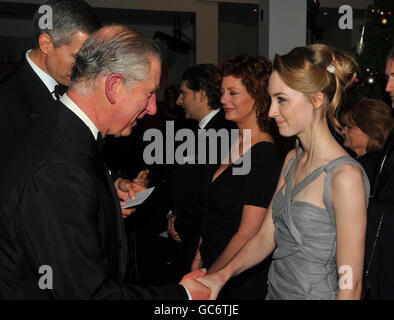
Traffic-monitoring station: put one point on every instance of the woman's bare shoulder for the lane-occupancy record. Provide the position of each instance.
(347, 176)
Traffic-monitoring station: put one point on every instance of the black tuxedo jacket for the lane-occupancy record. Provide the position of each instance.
(381, 269)
(59, 208)
(189, 182)
(23, 98)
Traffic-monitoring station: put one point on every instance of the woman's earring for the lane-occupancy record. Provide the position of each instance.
(258, 113)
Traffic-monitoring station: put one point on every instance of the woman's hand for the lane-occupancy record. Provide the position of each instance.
(196, 264)
(171, 228)
(215, 282)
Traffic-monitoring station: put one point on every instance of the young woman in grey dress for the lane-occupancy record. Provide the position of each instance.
(315, 224)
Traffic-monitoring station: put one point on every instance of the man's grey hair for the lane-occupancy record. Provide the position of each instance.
(68, 17)
(115, 49)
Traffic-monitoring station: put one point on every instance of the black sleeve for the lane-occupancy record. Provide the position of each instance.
(259, 185)
(59, 222)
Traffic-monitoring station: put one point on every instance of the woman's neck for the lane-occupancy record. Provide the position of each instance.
(319, 143)
(256, 134)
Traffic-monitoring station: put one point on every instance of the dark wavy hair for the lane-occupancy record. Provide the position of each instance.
(204, 77)
(254, 71)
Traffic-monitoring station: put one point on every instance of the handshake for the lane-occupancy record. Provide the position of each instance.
(202, 286)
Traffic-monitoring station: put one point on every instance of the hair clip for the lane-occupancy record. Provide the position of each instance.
(331, 68)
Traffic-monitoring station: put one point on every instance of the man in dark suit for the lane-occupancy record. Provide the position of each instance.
(30, 91)
(189, 182)
(44, 73)
(379, 249)
(61, 230)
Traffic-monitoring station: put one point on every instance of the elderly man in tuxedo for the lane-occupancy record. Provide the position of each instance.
(59, 210)
(43, 75)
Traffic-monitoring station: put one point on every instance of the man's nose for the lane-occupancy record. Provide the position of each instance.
(179, 101)
(390, 85)
(151, 109)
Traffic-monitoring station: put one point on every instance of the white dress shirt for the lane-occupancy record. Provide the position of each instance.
(49, 82)
(65, 99)
(207, 118)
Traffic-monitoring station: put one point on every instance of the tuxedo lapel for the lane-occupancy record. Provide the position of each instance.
(120, 243)
(111, 223)
(33, 97)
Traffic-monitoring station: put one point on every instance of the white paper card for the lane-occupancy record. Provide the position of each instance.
(164, 234)
(140, 197)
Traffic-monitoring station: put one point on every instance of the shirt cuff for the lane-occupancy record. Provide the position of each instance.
(188, 293)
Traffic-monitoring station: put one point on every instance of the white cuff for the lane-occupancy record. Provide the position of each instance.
(188, 293)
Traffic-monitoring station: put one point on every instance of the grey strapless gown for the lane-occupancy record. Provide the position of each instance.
(304, 261)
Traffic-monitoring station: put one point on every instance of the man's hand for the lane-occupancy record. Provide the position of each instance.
(197, 290)
(125, 189)
(171, 228)
(142, 179)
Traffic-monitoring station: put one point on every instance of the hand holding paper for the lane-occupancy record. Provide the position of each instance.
(140, 197)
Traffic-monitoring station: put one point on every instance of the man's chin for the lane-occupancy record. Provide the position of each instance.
(125, 132)
(65, 81)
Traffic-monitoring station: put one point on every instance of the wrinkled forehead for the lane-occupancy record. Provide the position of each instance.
(154, 73)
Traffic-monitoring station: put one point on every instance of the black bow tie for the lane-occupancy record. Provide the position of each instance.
(59, 91)
(100, 142)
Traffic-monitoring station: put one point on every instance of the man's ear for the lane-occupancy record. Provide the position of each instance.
(203, 95)
(317, 100)
(112, 84)
(45, 43)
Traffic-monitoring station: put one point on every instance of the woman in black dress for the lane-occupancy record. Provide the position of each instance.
(237, 203)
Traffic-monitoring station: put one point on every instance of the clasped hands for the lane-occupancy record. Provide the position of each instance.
(203, 286)
(128, 189)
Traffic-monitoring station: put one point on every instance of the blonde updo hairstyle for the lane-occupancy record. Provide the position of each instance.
(318, 68)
